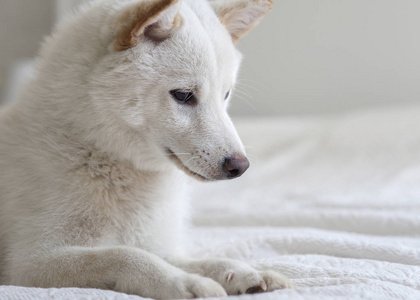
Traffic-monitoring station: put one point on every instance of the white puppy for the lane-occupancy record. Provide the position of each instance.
(126, 94)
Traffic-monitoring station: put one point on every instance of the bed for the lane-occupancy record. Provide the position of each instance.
(333, 202)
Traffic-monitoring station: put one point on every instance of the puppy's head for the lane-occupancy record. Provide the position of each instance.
(168, 78)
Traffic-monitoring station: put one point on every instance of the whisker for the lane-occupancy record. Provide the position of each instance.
(249, 147)
(180, 154)
(262, 85)
(205, 170)
(243, 93)
(194, 157)
(251, 89)
(249, 103)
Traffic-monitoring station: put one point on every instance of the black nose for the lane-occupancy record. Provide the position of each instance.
(235, 165)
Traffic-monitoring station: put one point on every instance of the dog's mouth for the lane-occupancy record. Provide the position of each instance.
(172, 156)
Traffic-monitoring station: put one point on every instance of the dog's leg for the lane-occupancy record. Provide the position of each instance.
(124, 269)
(235, 276)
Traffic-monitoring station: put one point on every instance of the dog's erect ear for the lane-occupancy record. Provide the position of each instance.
(240, 16)
(156, 19)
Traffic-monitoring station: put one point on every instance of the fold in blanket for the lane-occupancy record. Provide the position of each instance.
(333, 203)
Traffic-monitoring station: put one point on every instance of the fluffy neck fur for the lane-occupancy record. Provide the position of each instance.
(61, 96)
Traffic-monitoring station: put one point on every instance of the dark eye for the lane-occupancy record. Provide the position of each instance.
(183, 96)
(227, 95)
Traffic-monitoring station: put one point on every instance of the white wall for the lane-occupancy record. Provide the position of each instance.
(63, 7)
(330, 55)
(23, 24)
(307, 56)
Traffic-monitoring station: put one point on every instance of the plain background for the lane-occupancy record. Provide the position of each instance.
(307, 56)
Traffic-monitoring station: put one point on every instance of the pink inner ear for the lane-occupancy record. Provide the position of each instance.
(148, 31)
(241, 19)
(163, 29)
(156, 20)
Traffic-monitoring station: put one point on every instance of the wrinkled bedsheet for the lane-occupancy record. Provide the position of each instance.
(331, 202)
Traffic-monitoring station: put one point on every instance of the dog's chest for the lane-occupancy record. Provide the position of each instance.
(129, 207)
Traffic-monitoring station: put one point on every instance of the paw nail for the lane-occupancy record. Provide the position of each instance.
(263, 286)
(229, 277)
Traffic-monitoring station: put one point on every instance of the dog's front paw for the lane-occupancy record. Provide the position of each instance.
(239, 278)
(251, 282)
(194, 286)
(275, 281)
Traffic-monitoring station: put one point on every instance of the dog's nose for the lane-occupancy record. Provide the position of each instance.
(235, 165)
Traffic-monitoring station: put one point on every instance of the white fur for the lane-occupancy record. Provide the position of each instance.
(88, 195)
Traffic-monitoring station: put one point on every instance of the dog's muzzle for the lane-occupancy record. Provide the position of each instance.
(231, 167)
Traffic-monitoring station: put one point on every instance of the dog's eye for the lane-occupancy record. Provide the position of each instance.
(227, 95)
(183, 96)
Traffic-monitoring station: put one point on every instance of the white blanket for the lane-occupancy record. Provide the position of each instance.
(332, 202)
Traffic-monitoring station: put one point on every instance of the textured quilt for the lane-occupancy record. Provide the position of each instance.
(331, 202)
